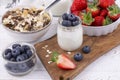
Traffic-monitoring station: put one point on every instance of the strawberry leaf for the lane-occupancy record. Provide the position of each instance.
(114, 10)
(107, 21)
(87, 18)
(54, 56)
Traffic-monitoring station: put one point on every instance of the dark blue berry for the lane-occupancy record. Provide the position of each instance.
(78, 57)
(29, 53)
(25, 47)
(75, 23)
(15, 45)
(8, 50)
(20, 58)
(15, 52)
(23, 67)
(7, 55)
(66, 23)
(86, 49)
(25, 56)
(65, 16)
(12, 67)
(30, 63)
(12, 59)
(71, 17)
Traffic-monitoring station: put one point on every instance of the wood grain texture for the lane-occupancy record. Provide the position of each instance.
(99, 46)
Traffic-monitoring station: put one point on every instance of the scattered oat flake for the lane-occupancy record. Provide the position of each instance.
(50, 52)
(46, 46)
(46, 55)
(69, 52)
(49, 62)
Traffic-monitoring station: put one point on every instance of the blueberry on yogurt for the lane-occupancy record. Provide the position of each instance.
(69, 20)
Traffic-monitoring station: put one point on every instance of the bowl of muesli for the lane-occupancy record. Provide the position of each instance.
(25, 23)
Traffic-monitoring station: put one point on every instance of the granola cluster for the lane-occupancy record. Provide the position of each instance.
(26, 19)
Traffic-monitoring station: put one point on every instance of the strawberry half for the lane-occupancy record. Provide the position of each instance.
(92, 7)
(78, 5)
(104, 12)
(63, 61)
(114, 12)
(87, 19)
(106, 3)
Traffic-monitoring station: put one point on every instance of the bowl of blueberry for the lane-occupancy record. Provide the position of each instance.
(19, 58)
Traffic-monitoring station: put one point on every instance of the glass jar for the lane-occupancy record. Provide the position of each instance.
(23, 67)
(61, 7)
(69, 38)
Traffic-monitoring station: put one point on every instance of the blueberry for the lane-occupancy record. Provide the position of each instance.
(7, 55)
(78, 57)
(8, 50)
(71, 17)
(29, 53)
(25, 56)
(23, 67)
(30, 63)
(76, 18)
(20, 58)
(15, 52)
(65, 16)
(12, 67)
(86, 49)
(15, 45)
(66, 23)
(25, 47)
(12, 59)
(74, 23)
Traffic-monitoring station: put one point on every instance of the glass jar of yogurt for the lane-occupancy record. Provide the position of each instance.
(69, 38)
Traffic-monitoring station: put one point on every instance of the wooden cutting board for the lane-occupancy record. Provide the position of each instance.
(99, 46)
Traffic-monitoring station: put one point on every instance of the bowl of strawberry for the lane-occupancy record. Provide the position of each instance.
(99, 17)
(19, 58)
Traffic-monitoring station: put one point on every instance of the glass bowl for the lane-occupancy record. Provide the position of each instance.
(22, 67)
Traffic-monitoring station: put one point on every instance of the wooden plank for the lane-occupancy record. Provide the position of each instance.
(99, 45)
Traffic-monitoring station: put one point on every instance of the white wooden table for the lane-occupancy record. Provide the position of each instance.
(106, 67)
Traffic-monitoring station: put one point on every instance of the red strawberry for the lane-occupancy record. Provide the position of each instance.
(78, 5)
(99, 20)
(92, 7)
(103, 12)
(87, 19)
(106, 3)
(114, 12)
(63, 61)
(76, 13)
(73, 8)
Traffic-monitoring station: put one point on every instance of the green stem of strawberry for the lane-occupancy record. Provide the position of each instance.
(54, 57)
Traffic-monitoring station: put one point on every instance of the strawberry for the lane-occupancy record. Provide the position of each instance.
(78, 5)
(63, 61)
(73, 8)
(114, 12)
(76, 13)
(87, 19)
(92, 7)
(104, 12)
(106, 3)
(99, 20)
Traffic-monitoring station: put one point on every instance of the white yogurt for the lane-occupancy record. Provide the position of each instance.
(70, 38)
(61, 7)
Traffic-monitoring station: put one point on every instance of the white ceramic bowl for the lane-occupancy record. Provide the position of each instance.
(100, 30)
(28, 36)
